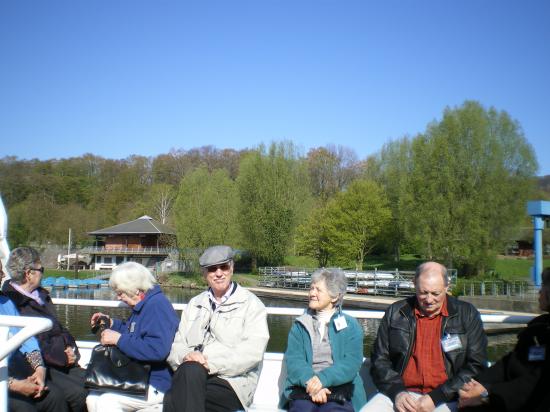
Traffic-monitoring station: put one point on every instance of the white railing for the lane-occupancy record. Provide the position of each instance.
(31, 326)
(359, 314)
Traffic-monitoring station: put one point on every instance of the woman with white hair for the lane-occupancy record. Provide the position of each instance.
(146, 336)
(324, 352)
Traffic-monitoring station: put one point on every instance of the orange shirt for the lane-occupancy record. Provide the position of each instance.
(425, 370)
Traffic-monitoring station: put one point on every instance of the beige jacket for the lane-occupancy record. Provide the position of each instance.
(236, 343)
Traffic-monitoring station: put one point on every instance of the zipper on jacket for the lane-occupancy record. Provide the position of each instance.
(412, 337)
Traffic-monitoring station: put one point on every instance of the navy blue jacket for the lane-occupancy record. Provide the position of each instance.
(148, 333)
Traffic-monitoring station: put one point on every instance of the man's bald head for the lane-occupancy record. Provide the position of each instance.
(431, 268)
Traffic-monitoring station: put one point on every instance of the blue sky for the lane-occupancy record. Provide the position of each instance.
(117, 78)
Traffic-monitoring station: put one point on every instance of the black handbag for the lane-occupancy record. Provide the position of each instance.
(338, 393)
(111, 370)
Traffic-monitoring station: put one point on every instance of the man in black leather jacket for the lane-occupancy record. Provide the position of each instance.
(427, 347)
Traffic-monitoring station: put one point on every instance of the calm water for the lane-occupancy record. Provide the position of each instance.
(77, 319)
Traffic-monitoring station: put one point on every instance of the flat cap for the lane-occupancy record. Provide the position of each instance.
(216, 255)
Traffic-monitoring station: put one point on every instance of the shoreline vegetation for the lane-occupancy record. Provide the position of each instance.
(455, 192)
(507, 268)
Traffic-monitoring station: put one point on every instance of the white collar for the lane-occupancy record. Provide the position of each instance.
(225, 296)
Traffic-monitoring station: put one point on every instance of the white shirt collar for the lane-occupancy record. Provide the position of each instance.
(224, 298)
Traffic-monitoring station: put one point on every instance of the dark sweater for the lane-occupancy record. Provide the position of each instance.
(516, 383)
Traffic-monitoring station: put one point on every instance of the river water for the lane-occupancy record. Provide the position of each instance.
(77, 319)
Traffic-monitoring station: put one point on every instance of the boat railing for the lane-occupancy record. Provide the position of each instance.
(30, 327)
(285, 311)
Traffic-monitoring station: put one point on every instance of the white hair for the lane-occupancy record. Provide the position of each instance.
(131, 277)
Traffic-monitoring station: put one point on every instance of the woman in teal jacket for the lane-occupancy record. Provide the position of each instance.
(324, 352)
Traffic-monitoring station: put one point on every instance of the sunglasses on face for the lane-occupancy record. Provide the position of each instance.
(41, 270)
(224, 267)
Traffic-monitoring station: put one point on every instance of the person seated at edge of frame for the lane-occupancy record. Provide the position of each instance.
(520, 381)
(220, 343)
(57, 345)
(324, 352)
(27, 373)
(146, 336)
(426, 348)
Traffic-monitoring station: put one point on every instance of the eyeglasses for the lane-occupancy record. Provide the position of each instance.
(214, 268)
(41, 269)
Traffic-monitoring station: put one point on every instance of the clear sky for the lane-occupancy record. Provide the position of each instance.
(122, 77)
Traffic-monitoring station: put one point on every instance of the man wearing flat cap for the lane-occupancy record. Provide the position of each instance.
(219, 346)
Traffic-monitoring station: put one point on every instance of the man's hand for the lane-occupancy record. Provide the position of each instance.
(39, 378)
(405, 402)
(425, 404)
(71, 355)
(197, 356)
(470, 394)
(321, 396)
(25, 387)
(109, 337)
(313, 385)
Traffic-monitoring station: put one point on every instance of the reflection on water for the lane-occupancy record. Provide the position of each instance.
(77, 319)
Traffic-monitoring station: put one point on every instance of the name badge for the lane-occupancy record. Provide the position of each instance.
(450, 343)
(340, 323)
(132, 327)
(537, 353)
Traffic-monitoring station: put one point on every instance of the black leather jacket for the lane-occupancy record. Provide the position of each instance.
(395, 340)
(516, 382)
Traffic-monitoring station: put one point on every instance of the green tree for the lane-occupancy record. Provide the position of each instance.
(206, 209)
(312, 238)
(331, 169)
(354, 221)
(472, 174)
(392, 169)
(274, 198)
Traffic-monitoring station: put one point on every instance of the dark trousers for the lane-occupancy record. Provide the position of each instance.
(52, 401)
(303, 405)
(70, 382)
(193, 390)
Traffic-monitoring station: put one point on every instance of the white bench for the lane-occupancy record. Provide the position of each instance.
(266, 397)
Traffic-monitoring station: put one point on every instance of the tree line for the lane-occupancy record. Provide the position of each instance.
(455, 193)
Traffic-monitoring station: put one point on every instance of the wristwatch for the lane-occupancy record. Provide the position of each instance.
(484, 397)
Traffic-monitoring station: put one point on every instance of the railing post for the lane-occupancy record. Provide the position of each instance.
(4, 330)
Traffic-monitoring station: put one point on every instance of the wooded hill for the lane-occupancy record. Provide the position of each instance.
(455, 193)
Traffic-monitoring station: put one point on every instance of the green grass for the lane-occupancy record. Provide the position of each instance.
(300, 261)
(508, 268)
(69, 274)
(197, 281)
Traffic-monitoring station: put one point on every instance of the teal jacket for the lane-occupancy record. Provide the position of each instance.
(347, 356)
